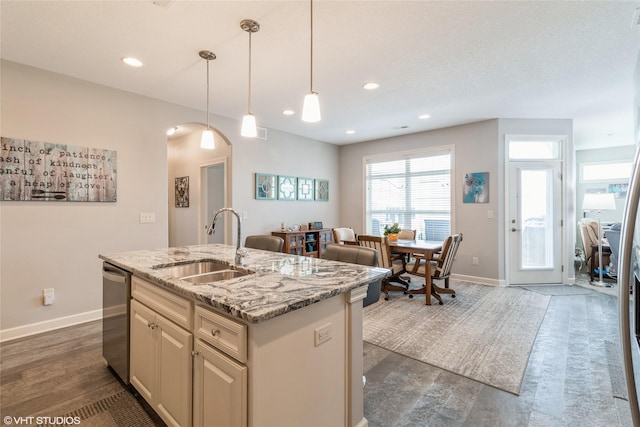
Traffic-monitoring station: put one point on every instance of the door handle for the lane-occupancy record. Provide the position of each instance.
(514, 229)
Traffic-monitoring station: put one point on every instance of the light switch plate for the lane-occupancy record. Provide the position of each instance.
(147, 218)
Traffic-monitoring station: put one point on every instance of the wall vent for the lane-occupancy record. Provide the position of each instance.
(163, 3)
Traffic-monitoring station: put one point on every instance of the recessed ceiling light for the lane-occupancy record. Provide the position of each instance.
(424, 116)
(288, 112)
(351, 132)
(132, 62)
(371, 86)
(172, 130)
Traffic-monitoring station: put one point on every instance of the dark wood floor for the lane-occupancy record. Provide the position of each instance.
(570, 379)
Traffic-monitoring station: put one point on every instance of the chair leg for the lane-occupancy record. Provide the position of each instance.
(445, 290)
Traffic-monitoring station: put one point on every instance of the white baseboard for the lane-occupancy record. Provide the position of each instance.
(49, 325)
(480, 280)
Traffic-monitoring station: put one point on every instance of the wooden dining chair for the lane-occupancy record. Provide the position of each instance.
(385, 260)
(440, 267)
(264, 242)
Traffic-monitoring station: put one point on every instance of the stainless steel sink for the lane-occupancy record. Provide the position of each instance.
(216, 276)
(193, 268)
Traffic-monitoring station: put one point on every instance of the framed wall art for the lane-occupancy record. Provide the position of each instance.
(287, 187)
(265, 186)
(476, 187)
(182, 192)
(305, 189)
(322, 190)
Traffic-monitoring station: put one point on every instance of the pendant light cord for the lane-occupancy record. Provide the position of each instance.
(207, 94)
(311, 51)
(249, 96)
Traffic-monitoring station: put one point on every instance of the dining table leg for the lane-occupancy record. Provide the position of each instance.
(427, 282)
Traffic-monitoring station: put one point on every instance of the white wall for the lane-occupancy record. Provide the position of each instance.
(47, 244)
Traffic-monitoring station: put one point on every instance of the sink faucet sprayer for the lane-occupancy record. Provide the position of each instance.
(240, 252)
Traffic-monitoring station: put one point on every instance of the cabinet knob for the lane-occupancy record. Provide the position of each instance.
(215, 332)
(194, 353)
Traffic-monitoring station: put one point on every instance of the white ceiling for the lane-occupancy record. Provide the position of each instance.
(458, 61)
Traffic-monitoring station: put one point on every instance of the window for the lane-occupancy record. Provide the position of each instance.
(534, 149)
(413, 190)
(606, 171)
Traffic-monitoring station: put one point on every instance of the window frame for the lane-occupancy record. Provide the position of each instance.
(403, 155)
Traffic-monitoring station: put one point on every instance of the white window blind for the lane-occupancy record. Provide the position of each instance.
(413, 190)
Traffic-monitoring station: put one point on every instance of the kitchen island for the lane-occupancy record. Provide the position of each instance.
(279, 345)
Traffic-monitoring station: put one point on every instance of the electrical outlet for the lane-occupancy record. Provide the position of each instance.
(490, 214)
(475, 260)
(245, 215)
(48, 296)
(147, 218)
(322, 334)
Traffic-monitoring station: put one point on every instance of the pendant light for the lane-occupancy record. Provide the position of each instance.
(207, 135)
(311, 106)
(249, 128)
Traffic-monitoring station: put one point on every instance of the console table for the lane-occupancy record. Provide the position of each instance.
(311, 243)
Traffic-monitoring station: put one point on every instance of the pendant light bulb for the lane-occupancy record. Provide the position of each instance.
(311, 108)
(249, 128)
(207, 141)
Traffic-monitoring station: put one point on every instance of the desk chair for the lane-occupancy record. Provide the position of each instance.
(264, 242)
(357, 255)
(440, 268)
(589, 233)
(344, 236)
(385, 260)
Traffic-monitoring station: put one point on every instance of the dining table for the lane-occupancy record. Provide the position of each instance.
(426, 249)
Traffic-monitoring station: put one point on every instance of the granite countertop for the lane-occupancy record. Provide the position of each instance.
(281, 282)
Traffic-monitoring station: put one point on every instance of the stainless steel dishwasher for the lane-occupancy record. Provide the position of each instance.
(116, 301)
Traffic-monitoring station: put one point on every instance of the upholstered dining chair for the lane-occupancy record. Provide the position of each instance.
(357, 255)
(264, 242)
(440, 267)
(344, 236)
(385, 260)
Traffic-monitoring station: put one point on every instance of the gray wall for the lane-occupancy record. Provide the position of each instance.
(476, 150)
(479, 147)
(46, 244)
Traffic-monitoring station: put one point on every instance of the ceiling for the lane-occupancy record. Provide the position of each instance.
(458, 61)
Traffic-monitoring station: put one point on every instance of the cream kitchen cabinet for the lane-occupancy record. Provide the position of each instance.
(219, 381)
(161, 362)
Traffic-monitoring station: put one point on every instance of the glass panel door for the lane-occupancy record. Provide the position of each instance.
(535, 222)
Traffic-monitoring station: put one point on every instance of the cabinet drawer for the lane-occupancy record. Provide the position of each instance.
(168, 304)
(224, 334)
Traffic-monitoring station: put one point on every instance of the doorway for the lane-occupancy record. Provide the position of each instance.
(213, 197)
(534, 211)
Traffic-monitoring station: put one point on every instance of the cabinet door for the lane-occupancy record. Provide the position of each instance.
(174, 392)
(220, 389)
(143, 369)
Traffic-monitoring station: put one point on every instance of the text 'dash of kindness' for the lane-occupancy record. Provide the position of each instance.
(41, 171)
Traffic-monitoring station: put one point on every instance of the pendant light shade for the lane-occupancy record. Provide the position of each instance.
(311, 106)
(249, 128)
(207, 141)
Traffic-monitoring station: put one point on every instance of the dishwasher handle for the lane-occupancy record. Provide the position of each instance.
(113, 276)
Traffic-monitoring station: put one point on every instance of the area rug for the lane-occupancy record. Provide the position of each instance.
(486, 333)
(119, 410)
